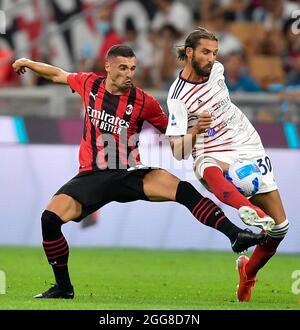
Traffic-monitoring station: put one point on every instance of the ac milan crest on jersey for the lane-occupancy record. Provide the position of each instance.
(129, 109)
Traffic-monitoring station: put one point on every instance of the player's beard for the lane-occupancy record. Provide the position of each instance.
(201, 72)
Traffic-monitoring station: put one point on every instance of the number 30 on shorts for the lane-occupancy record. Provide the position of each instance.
(264, 165)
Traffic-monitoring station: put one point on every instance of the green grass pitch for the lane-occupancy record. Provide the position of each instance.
(138, 279)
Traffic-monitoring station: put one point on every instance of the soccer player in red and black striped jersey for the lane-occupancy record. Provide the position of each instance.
(110, 166)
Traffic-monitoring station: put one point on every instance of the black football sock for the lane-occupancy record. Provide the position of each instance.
(205, 210)
(56, 248)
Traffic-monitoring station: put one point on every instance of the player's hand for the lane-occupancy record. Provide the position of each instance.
(204, 122)
(19, 65)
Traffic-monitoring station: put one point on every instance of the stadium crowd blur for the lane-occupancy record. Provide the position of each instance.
(259, 41)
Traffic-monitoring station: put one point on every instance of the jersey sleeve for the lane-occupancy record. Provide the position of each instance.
(77, 81)
(154, 113)
(178, 120)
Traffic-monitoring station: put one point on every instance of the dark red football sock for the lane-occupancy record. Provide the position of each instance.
(225, 191)
(261, 255)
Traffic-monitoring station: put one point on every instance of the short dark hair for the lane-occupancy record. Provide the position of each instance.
(120, 50)
(192, 41)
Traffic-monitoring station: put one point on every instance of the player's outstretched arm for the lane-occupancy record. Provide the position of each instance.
(44, 70)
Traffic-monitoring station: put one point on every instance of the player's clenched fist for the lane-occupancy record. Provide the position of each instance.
(19, 65)
(204, 121)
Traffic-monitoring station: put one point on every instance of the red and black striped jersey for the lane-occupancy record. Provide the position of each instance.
(112, 123)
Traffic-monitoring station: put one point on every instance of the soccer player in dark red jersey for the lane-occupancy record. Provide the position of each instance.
(110, 166)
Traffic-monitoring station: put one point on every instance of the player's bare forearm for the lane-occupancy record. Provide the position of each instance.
(182, 146)
(44, 70)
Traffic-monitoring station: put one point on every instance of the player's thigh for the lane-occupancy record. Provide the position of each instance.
(270, 203)
(66, 207)
(160, 185)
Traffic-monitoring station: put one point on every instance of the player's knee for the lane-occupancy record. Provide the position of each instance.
(202, 166)
(50, 221)
(279, 231)
(66, 207)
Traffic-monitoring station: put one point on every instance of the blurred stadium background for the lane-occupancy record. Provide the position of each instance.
(41, 124)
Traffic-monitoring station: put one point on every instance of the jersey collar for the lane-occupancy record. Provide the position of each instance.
(202, 81)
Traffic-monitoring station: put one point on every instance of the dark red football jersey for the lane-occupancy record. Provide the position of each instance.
(112, 123)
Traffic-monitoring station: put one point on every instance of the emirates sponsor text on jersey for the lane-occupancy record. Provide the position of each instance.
(107, 122)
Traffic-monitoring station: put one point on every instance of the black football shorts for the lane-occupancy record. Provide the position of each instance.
(94, 189)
